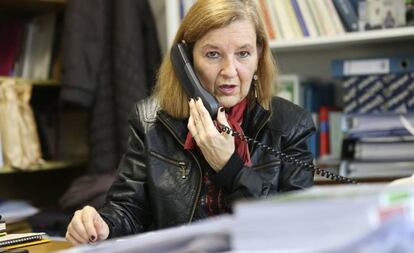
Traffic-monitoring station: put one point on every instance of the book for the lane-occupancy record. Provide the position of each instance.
(265, 14)
(10, 44)
(38, 47)
(300, 18)
(347, 14)
(324, 147)
(307, 18)
(326, 17)
(382, 169)
(374, 85)
(294, 23)
(283, 17)
(372, 66)
(12, 240)
(336, 134)
(377, 125)
(317, 17)
(317, 93)
(339, 28)
(274, 19)
(379, 149)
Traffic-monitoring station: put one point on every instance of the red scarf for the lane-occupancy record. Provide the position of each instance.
(235, 119)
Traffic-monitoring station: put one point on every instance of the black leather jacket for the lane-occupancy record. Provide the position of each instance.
(159, 182)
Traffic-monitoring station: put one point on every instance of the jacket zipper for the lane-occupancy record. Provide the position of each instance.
(198, 188)
(198, 165)
(183, 166)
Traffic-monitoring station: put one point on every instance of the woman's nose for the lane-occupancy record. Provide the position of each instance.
(229, 68)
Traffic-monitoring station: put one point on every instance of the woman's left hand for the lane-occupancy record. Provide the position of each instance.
(216, 147)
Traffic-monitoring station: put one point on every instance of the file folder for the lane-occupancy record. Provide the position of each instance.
(372, 66)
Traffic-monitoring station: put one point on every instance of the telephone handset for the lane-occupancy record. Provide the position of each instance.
(183, 66)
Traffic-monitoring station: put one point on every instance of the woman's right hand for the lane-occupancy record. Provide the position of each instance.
(87, 226)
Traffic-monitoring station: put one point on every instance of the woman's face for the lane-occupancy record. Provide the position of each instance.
(226, 59)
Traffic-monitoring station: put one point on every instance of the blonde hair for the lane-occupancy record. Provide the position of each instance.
(204, 16)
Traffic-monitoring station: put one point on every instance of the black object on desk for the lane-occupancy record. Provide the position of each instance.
(14, 251)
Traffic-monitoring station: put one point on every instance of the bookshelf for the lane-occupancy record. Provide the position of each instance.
(47, 165)
(354, 39)
(32, 5)
(60, 129)
(52, 83)
(311, 56)
(293, 56)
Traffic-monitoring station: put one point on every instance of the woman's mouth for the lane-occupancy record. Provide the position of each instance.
(227, 89)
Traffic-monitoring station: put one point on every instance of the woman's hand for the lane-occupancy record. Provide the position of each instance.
(86, 226)
(216, 147)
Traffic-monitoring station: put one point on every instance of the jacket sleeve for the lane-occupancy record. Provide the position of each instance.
(241, 182)
(126, 210)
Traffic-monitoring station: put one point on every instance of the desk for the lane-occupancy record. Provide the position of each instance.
(49, 247)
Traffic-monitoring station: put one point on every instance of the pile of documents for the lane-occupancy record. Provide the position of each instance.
(326, 219)
(362, 218)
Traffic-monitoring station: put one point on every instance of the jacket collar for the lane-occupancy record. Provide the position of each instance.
(178, 127)
(255, 119)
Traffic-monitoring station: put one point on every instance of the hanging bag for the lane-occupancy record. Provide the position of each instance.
(19, 136)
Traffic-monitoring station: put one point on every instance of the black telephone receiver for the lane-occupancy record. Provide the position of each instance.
(183, 66)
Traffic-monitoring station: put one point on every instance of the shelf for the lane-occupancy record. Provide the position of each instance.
(34, 82)
(347, 39)
(48, 165)
(32, 5)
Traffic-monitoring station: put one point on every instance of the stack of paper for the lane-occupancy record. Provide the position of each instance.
(204, 236)
(16, 210)
(321, 219)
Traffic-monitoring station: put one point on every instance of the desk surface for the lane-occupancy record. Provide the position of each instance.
(49, 247)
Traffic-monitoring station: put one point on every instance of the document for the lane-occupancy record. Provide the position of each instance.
(16, 210)
(210, 235)
(320, 219)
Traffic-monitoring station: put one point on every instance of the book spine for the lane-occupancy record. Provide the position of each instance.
(313, 6)
(326, 18)
(324, 131)
(293, 19)
(282, 15)
(266, 18)
(300, 18)
(274, 20)
(339, 28)
(312, 15)
(308, 19)
(347, 14)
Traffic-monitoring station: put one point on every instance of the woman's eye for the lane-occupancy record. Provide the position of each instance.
(244, 54)
(212, 54)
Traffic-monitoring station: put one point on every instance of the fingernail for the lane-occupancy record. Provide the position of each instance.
(93, 238)
(221, 109)
(197, 98)
(189, 100)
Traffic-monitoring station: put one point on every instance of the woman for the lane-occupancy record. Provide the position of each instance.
(178, 167)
